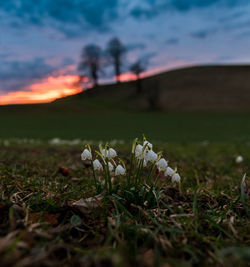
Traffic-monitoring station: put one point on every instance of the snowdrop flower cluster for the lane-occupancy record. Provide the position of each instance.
(104, 164)
(147, 155)
(108, 165)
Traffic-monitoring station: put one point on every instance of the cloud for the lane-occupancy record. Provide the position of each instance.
(203, 34)
(184, 5)
(172, 41)
(71, 17)
(35, 12)
(17, 75)
(148, 56)
(232, 17)
(151, 8)
(46, 90)
(135, 46)
(33, 69)
(223, 59)
(238, 25)
(60, 12)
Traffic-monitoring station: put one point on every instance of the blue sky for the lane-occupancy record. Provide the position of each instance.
(40, 38)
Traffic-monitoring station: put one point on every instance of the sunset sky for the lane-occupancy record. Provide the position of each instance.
(41, 40)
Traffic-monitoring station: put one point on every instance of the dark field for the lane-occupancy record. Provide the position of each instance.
(108, 125)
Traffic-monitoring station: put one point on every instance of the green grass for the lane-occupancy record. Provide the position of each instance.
(204, 222)
(110, 124)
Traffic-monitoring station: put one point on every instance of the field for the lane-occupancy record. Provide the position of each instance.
(64, 121)
(202, 222)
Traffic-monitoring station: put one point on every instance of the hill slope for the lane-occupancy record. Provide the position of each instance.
(202, 88)
(118, 112)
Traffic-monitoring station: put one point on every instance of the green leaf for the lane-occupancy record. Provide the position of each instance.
(242, 189)
(75, 220)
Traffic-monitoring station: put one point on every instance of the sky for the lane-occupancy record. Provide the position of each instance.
(41, 40)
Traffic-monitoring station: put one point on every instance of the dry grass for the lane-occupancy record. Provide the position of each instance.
(204, 222)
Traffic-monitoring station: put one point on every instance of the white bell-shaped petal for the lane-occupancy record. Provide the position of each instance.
(138, 151)
(176, 178)
(169, 172)
(151, 156)
(162, 164)
(97, 165)
(111, 166)
(120, 170)
(86, 154)
(147, 145)
(111, 153)
(105, 153)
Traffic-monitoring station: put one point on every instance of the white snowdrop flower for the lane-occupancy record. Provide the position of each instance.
(112, 153)
(169, 172)
(176, 178)
(151, 156)
(6, 143)
(105, 153)
(111, 166)
(239, 159)
(162, 164)
(120, 170)
(86, 154)
(138, 151)
(55, 141)
(97, 165)
(147, 144)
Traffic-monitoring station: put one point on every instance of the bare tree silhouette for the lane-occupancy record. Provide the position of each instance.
(116, 52)
(137, 68)
(91, 60)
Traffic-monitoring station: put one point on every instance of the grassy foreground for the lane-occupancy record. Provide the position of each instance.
(204, 222)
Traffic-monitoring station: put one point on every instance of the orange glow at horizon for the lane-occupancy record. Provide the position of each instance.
(127, 76)
(47, 90)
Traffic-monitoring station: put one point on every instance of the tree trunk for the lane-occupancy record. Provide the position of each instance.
(117, 71)
(138, 85)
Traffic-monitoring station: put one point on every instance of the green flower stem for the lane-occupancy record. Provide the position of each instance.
(95, 181)
(156, 179)
(134, 166)
(139, 171)
(151, 172)
(130, 169)
(108, 175)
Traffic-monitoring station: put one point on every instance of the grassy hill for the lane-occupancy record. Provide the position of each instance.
(202, 88)
(217, 99)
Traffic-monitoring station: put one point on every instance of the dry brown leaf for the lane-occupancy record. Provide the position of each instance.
(148, 258)
(85, 205)
(45, 216)
(64, 171)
